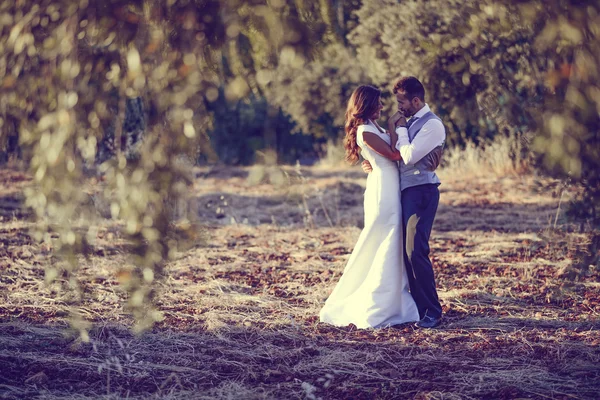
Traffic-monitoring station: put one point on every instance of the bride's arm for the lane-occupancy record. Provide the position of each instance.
(379, 146)
(394, 121)
(393, 141)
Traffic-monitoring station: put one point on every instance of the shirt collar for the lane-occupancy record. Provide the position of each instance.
(422, 111)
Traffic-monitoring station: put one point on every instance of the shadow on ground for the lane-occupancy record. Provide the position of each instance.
(499, 359)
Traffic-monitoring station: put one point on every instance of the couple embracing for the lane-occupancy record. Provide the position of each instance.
(389, 279)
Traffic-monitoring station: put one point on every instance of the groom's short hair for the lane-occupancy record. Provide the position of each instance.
(411, 87)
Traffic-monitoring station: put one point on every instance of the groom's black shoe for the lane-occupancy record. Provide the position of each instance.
(428, 322)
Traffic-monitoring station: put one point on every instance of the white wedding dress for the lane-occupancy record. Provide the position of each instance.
(373, 290)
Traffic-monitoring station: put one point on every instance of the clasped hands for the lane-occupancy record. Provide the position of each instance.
(397, 120)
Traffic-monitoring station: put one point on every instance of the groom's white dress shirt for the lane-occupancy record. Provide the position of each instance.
(431, 135)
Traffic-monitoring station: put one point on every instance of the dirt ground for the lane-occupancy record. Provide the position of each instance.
(241, 309)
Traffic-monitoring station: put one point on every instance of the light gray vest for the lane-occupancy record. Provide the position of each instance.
(423, 171)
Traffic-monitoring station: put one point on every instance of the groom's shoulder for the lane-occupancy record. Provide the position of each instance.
(434, 116)
(435, 120)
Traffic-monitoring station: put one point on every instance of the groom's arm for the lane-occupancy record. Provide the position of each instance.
(431, 135)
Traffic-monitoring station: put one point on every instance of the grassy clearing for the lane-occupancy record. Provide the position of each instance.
(240, 311)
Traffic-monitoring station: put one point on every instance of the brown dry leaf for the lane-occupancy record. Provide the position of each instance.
(124, 276)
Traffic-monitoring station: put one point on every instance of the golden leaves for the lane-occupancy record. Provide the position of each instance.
(126, 14)
(236, 89)
(134, 63)
(9, 82)
(457, 66)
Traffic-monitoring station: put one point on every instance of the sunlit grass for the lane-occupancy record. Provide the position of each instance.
(240, 310)
(502, 156)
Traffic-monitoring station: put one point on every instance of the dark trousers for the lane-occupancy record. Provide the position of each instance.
(419, 205)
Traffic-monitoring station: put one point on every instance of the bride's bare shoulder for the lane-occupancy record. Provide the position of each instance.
(366, 128)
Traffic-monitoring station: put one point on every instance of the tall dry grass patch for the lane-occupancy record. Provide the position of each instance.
(334, 155)
(501, 156)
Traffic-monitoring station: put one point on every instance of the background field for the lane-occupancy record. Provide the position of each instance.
(241, 309)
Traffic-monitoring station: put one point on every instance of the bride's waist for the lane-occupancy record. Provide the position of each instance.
(385, 166)
(386, 173)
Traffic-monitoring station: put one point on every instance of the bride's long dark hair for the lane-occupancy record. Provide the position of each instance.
(363, 103)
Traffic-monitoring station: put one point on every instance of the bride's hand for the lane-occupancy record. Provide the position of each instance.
(395, 121)
(366, 166)
(401, 122)
(395, 118)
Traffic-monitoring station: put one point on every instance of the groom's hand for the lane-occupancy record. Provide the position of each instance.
(366, 166)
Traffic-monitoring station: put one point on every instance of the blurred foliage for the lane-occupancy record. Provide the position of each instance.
(275, 78)
(269, 42)
(458, 49)
(73, 74)
(70, 68)
(243, 128)
(9, 140)
(315, 94)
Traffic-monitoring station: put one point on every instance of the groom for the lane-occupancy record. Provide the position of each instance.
(420, 142)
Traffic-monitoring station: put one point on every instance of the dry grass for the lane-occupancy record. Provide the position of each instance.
(498, 157)
(335, 155)
(240, 312)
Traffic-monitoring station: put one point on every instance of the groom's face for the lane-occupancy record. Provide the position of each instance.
(405, 106)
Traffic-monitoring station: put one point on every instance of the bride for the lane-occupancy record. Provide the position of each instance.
(373, 290)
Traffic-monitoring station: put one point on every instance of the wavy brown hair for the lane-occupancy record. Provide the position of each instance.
(363, 103)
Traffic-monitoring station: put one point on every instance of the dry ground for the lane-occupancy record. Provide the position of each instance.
(241, 309)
